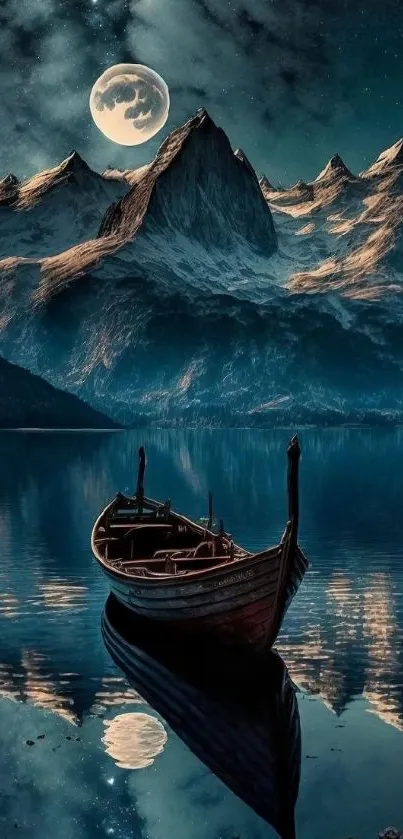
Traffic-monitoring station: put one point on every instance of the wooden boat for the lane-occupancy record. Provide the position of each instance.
(165, 567)
(236, 711)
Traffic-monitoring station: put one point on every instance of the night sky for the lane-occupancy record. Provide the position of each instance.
(291, 81)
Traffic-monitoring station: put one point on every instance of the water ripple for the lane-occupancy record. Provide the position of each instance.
(343, 636)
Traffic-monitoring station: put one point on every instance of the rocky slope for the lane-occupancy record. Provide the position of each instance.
(55, 209)
(27, 401)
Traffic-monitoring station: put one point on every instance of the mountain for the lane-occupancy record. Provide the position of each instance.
(388, 160)
(55, 209)
(196, 213)
(8, 189)
(348, 228)
(335, 169)
(29, 402)
(178, 190)
(266, 186)
(208, 296)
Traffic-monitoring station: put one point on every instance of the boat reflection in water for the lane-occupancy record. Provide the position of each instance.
(237, 713)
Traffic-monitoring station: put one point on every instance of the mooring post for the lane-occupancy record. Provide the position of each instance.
(210, 510)
(294, 453)
(140, 477)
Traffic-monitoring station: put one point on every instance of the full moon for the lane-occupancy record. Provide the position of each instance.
(129, 103)
(134, 740)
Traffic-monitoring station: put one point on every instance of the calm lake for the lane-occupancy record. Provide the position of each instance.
(62, 698)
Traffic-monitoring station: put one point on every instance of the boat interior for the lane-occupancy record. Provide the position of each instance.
(152, 541)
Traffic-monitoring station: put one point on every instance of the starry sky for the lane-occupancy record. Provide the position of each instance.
(291, 81)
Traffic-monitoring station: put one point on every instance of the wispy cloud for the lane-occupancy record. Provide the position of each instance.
(291, 81)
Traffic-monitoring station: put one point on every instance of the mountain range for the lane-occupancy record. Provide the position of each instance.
(55, 209)
(191, 291)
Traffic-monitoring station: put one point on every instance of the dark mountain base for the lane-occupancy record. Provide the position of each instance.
(26, 401)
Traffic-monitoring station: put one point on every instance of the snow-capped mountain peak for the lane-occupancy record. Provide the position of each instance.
(73, 169)
(74, 164)
(195, 175)
(54, 209)
(335, 168)
(387, 161)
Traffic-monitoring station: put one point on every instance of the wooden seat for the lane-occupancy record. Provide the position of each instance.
(176, 573)
(134, 526)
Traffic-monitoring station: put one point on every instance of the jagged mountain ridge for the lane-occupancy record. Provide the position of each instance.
(388, 160)
(177, 190)
(350, 227)
(54, 209)
(181, 308)
(196, 195)
(334, 169)
(29, 402)
(337, 203)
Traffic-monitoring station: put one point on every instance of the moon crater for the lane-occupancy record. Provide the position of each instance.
(129, 103)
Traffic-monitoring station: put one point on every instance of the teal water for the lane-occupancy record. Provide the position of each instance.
(342, 640)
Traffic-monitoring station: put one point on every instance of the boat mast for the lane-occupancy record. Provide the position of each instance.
(210, 510)
(140, 476)
(294, 452)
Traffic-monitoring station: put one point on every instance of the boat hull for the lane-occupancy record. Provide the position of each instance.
(244, 604)
(167, 568)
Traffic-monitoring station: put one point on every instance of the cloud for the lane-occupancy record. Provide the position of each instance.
(27, 14)
(244, 61)
(290, 81)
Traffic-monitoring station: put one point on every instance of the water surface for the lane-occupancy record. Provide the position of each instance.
(342, 638)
